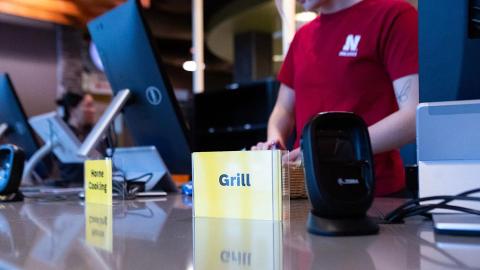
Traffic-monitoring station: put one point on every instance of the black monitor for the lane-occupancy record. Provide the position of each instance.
(130, 59)
(12, 114)
(245, 108)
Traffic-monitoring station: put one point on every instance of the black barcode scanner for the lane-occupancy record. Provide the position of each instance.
(12, 160)
(339, 174)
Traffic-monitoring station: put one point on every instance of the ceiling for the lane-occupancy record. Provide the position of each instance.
(169, 20)
(171, 24)
(69, 12)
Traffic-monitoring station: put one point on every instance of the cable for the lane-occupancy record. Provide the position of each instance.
(415, 202)
(120, 184)
(406, 207)
(424, 209)
(111, 142)
(446, 199)
(120, 174)
(150, 176)
(447, 207)
(412, 207)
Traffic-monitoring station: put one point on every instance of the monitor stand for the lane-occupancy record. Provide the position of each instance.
(36, 158)
(84, 150)
(58, 138)
(152, 160)
(95, 136)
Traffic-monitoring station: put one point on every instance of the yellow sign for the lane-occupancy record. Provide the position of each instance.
(241, 184)
(98, 181)
(98, 226)
(237, 244)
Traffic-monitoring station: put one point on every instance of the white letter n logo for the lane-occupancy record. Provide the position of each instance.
(350, 49)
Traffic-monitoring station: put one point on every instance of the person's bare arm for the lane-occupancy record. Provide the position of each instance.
(398, 128)
(282, 120)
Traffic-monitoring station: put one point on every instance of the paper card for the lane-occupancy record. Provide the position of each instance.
(238, 184)
(98, 181)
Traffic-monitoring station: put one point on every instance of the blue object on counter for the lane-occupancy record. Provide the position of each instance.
(187, 189)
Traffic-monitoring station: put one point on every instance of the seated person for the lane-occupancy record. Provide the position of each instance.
(78, 111)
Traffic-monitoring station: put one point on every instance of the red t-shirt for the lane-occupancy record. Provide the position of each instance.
(347, 61)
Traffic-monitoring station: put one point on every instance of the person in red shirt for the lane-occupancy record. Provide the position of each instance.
(359, 56)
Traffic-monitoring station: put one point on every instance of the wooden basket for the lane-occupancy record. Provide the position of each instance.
(296, 185)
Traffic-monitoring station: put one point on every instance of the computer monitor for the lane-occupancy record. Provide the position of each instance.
(61, 139)
(18, 130)
(130, 60)
(449, 50)
(245, 108)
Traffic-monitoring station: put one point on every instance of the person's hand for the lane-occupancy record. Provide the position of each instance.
(268, 145)
(293, 157)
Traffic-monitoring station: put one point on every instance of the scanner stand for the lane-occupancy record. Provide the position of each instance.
(341, 227)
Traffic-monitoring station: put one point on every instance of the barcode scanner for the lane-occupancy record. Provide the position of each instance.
(12, 160)
(339, 174)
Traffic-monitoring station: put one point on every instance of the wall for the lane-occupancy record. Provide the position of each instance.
(28, 54)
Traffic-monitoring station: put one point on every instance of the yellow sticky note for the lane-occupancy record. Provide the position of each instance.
(98, 181)
(98, 226)
(238, 184)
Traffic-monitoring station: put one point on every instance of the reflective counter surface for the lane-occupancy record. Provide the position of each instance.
(161, 234)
